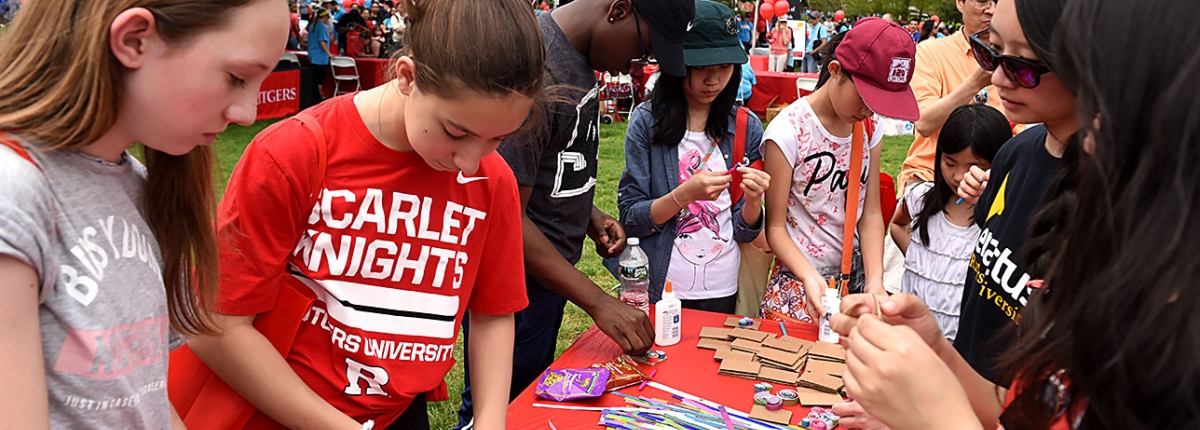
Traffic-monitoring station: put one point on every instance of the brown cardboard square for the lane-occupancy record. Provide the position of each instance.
(712, 344)
(715, 333)
(746, 345)
(760, 412)
(754, 335)
(784, 343)
(736, 365)
(776, 375)
(828, 350)
(734, 354)
(789, 359)
(733, 322)
(826, 367)
(796, 368)
(810, 397)
(820, 381)
(806, 345)
(721, 351)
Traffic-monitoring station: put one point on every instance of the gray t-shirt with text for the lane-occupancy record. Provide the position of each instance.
(105, 332)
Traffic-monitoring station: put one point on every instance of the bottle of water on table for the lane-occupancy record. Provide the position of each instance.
(635, 276)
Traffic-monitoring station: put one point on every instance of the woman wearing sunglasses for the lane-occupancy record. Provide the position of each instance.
(1110, 342)
(1012, 209)
(1029, 185)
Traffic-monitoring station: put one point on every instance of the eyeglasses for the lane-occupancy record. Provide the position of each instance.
(983, 4)
(1024, 72)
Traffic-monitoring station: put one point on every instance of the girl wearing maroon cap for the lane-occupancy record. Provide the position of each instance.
(808, 151)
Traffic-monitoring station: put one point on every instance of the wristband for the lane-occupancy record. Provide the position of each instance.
(676, 199)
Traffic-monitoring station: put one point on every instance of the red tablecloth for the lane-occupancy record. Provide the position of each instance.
(687, 368)
(279, 95)
(774, 88)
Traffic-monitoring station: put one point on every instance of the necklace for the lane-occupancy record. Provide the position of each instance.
(1059, 146)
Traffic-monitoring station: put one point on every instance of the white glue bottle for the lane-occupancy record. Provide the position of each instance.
(667, 316)
(832, 301)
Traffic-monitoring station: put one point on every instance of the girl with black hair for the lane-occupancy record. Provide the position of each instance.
(814, 151)
(934, 230)
(677, 192)
(1115, 338)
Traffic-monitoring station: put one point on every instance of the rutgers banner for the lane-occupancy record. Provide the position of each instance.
(279, 95)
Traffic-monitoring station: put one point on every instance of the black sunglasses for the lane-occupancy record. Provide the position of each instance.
(1024, 72)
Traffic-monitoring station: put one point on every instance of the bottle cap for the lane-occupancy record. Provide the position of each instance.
(633, 241)
(668, 291)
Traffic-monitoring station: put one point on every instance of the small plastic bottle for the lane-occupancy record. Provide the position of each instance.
(832, 301)
(667, 316)
(635, 276)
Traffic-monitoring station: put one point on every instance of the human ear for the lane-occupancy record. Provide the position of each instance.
(835, 69)
(406, 75)
(618, 10)
(130, 34)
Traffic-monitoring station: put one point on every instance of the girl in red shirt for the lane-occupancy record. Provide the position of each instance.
(415, 222)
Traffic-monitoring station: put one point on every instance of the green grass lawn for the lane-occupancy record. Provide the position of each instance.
(232, 143)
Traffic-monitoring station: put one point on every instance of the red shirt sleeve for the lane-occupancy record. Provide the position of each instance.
(261, 217)
(500, 283)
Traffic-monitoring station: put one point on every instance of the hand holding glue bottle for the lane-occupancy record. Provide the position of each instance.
(832, 301)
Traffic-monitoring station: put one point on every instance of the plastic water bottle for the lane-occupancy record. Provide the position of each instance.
(635, 276)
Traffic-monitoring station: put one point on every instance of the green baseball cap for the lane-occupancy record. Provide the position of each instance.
(712, 38)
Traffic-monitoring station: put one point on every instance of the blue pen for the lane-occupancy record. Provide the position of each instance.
(959, 202)
(782, 328)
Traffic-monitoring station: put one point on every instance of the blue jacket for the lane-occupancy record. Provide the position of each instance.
(652, 171)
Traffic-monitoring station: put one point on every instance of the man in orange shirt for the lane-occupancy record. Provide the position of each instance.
(945, 78)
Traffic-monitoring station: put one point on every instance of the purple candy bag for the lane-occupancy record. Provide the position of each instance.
(562, 385)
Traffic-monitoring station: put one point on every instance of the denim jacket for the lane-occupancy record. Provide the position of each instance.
(652, 171)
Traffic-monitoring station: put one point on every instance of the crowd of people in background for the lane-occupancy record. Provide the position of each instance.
(366, 30)
(781, 39)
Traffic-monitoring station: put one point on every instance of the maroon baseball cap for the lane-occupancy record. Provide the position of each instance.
(881, 56)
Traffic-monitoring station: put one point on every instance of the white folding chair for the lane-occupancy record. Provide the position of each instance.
(291, 58)
(805, 86)
(345, 70)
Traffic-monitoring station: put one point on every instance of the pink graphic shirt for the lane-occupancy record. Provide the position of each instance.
(704, 258)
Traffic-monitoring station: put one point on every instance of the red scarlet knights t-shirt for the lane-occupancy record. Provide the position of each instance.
(395, 252)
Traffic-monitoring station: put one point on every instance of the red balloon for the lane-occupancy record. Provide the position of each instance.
(837, 16)
(781, 8)
(935, 18)
(767, 10)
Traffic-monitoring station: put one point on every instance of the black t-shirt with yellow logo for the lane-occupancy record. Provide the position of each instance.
(995, 290)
